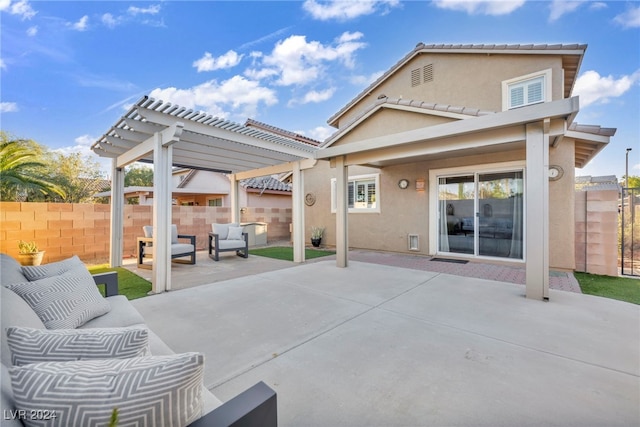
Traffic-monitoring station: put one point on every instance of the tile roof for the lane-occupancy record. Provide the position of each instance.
(265, 183)
(592, 129)
(596, 183)
(281, 132)
(571, 65)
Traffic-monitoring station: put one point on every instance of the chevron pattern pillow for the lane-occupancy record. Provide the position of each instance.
(30, 345)
(148, 391)
(37, 272)
(65, 301)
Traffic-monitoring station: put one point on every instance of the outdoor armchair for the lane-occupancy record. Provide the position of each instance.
(228, 237)
(178, 250)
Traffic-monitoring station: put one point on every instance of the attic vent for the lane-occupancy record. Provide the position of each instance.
(415, 77)
(427, 73)
(421, 75)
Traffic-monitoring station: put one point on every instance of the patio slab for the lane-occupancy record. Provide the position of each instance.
(380, 345)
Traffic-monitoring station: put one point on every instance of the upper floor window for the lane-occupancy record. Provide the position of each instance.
(526, 90)
(362, 193)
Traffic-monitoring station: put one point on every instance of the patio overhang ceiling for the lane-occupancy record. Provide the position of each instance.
(475, 135)
(199, 140)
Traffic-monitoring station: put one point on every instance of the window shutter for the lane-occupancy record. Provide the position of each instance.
(534, 92)
(517, 96)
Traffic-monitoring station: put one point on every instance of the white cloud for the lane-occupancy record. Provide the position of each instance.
(32, 31)
(342, 10)
(81, 25)
(298, 62)
(480, 7)
(110, 21)
(8, 107)
(562, 7)
(3, 65)
(83, 147)
(321, 133)
(363, 80)
(210, 63)
(21, 8)
(151, 10)
(596, 89)
(234, 97)
(630, 18)
(318, 96)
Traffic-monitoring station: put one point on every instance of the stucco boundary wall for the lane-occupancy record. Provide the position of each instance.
(66, 229)
(596, 241)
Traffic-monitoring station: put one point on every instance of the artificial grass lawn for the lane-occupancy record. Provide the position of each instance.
(129, 284)
(620, 288)
(286, 253)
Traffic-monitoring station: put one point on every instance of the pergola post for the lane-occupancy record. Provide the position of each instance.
(298, 213)
(342, 210)
(162, 206)
(117, 206)
(537, 212)
(234, 196)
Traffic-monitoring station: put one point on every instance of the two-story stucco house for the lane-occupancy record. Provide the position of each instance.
(461, 151)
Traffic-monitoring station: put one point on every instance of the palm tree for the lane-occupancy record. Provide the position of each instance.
(19, 165)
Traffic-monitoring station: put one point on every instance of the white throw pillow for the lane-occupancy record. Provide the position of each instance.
(153, 391)
(65, 301)
(235, 233)
(30, 345)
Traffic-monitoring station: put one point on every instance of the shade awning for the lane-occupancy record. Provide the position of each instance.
(206, 142)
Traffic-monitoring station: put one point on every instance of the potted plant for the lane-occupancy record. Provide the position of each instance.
(316, 236)
(28, 253)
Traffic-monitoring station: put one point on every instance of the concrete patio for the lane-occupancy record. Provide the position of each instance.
(378, 345)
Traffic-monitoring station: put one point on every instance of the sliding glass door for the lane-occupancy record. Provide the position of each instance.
(481, 214)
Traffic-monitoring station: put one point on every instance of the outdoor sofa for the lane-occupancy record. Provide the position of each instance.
(56, 326)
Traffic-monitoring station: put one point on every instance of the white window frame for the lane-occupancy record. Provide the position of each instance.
(355, 178)
(523, 81)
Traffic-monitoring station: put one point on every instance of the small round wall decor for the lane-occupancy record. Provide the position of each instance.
(309, 199)
(403, 183)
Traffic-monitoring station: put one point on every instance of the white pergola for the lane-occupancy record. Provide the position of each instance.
(168, 135)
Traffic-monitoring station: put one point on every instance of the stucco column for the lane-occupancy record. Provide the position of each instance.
(298, 213)
(342, 210)
(537, 212)
(117, 213)
(162, 205)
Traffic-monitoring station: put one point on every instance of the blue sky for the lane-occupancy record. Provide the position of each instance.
(70, 69)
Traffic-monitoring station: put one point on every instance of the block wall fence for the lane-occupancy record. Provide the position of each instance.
(596, 242)
(65, 229)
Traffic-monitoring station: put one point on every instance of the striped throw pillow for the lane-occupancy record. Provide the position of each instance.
(29, 345)
(147, 391)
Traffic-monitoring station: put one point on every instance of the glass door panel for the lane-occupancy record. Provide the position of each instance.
(456, 213)
(500, 211)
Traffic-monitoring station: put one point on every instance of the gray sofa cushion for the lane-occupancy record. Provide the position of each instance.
(61, 345)
(122, 314)
(10, 271)
(231, 244)
(161, 390)
(15, 312)
(65, 301)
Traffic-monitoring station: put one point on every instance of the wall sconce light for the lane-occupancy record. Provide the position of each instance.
(420, 184)
(243, 210)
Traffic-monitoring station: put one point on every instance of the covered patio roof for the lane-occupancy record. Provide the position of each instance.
(169, 135)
